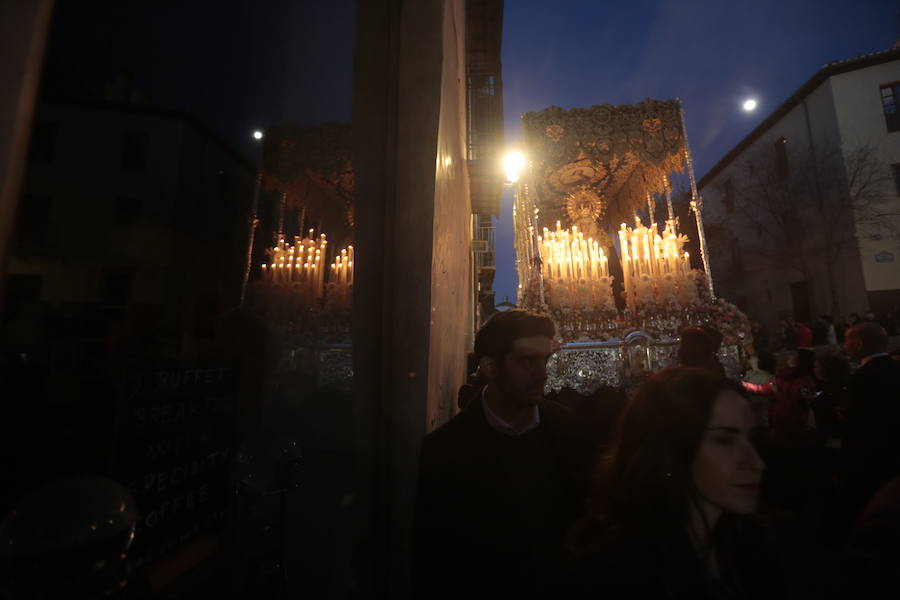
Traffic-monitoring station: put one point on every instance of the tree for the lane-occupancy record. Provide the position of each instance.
(809, 207)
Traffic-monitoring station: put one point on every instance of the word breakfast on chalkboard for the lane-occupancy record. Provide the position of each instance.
(175, 452)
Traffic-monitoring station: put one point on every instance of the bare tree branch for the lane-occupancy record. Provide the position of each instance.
(815, 210)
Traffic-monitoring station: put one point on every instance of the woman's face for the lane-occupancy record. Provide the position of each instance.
(726, 470)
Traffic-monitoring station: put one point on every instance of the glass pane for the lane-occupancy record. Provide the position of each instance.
(126, 347)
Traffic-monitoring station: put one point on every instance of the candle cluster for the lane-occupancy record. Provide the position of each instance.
(575, 270)
(299, 263)
(342, 267)
(298, 270)
(656, 269)
(340, 287)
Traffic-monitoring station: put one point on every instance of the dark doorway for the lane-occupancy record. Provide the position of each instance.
(800, 300)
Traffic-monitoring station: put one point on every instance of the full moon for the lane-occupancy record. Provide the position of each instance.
(749, 105)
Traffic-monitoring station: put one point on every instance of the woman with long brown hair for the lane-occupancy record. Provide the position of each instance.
(671, 510)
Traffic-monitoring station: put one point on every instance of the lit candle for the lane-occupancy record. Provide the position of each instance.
(635, 251)
(647, 256)
(351, 255)
(344, 261)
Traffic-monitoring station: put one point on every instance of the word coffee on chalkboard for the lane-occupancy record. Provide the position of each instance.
(175, 451)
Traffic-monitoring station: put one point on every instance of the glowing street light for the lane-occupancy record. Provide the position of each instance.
(257, 135)
(513, 163)
(749, 105)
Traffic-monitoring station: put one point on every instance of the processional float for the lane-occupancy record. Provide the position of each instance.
(595, 253)
(303, 288)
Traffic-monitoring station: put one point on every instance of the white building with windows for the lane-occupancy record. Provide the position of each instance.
(804, 213)
(125, 208)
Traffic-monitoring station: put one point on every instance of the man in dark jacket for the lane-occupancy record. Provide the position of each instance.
(496, 489)
(870, 559)
(871, 446)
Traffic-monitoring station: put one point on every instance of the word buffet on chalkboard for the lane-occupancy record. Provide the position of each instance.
(176, 443)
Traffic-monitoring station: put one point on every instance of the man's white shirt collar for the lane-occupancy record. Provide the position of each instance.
(871, 356)
(504, 427)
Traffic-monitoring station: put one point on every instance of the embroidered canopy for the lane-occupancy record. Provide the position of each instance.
(593, 167)
(312, 166)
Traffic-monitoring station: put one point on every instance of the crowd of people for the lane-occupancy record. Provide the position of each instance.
(824, 330)
(783, 485)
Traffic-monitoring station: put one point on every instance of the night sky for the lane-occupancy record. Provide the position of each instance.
(241, 64)
(709, 53)
(236, 65)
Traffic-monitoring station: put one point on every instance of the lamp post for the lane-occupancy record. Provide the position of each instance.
(253, 220)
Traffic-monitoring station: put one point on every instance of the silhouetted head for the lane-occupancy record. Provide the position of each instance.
(832, 369)
(805, 360)
(698, 348)
(865, 339)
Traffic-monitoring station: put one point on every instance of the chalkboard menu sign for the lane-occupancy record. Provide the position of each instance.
(174, 450)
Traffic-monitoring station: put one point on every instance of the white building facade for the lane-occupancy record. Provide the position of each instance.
(804, 213)
(125, 206)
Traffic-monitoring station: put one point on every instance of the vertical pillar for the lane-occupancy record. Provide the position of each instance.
(23, 37)
(413, 213)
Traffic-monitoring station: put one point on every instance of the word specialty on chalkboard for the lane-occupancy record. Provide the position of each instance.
(175, 449)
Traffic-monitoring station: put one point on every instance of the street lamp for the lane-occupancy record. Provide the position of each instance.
(513, 163)
(253, 221)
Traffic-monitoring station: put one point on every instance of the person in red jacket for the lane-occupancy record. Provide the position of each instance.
(790, 443)
(793, 388)
(804, 336)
